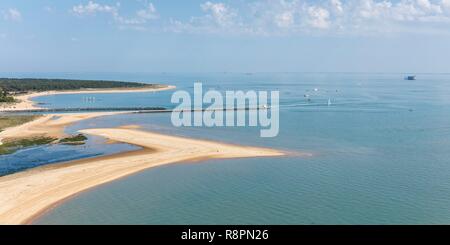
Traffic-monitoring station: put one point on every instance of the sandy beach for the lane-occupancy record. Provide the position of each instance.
(26, 195)
(25, 102)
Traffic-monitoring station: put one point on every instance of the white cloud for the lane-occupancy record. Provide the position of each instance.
(219, 13)
(446, 4)
(356, 17)
(285, 19)
(319, 17)
(400, 16)
(92, 8)
(218, 18)
(336, 6)
(147, 13)
(290, 17)
(264, 17)
(136, 22)
(141, 17)
(12, 14)
(428, 6)
(369, 9)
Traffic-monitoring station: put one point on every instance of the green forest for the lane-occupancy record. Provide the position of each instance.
(4, 97)
(14, 85)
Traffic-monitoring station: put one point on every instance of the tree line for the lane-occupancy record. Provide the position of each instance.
(4, 97)
(15, 85)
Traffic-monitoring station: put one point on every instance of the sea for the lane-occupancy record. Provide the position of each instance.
(378, 152)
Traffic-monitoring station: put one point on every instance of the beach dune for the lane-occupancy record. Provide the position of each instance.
(25, 195)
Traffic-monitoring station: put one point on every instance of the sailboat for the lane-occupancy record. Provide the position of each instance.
(329, 101)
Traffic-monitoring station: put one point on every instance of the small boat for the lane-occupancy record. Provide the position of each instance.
(410, 78)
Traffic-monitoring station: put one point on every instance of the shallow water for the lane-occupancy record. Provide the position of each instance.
(380, 156)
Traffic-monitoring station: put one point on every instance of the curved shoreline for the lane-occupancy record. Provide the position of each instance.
(25, 101)
(27, 194)
(36, 216)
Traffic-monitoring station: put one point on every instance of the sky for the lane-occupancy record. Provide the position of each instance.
(407, 36)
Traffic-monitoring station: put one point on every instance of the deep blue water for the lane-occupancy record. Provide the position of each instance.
(380, 156)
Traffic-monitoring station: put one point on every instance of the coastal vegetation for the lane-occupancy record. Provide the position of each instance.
(5, 98)
(12, 121)
(74, 140)
(12, 146)
(9, 86)
(48, 129)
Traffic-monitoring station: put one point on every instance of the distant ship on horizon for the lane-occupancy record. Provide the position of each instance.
(410, 78)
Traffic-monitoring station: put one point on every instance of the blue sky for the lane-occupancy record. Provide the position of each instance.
(234, 36)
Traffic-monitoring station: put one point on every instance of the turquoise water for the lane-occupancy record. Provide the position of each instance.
(380, 156)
